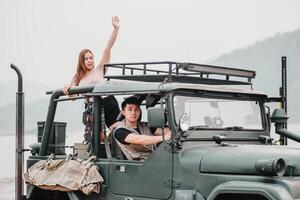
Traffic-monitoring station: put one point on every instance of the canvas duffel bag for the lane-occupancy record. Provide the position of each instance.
(71, 174)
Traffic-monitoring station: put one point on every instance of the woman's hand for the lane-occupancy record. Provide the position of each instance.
(115, 22)
(66, 89)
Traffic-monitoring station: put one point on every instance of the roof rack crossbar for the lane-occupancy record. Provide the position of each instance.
(171, 69)
(124, 68)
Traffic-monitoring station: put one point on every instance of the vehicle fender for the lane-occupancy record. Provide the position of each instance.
(268, 190)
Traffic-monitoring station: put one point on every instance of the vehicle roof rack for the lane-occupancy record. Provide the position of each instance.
(168, 71)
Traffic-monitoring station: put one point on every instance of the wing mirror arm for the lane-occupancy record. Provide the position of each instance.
(268, 117)
(183, 126)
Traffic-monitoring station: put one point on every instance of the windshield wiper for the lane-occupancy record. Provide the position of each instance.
(198, 127)
(229, 128)
(221, 137)
(233, 128)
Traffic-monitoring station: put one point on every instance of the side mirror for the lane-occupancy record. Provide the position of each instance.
(156, 117)
(184, 122)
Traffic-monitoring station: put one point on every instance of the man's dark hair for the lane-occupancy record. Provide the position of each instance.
(130, 100)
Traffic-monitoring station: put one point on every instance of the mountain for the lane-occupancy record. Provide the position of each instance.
(36, 108)
(37, 111)
(265, 58)
(36, 105)
(33, 91)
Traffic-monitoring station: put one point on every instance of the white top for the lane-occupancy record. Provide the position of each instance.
(95, 76)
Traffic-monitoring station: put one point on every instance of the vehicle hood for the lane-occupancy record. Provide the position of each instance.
(236, 159)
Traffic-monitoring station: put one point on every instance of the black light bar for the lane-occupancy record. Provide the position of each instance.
(210, 69)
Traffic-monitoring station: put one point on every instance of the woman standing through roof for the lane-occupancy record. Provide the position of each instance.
(88, 74)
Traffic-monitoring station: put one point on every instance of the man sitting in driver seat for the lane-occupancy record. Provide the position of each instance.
(135, 138)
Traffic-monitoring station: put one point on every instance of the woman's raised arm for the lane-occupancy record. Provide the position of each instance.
(107, 50)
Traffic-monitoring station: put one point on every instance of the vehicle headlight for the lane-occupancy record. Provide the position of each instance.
(272, 167)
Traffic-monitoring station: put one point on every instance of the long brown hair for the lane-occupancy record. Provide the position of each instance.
(81, 70)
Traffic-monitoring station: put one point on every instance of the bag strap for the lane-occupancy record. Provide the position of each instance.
(91, 159)
(49, 159)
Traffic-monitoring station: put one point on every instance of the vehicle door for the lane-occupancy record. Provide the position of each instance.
(147, 179)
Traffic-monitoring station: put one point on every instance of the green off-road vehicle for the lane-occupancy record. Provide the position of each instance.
(221, 147)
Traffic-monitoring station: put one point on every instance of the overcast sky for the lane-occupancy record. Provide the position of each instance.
(44, 37)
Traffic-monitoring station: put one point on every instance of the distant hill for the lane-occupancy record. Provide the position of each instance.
(265, 58)
(37, 111)
(33, 91)
(36, 105)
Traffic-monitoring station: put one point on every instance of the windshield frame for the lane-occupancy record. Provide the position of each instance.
(225, 96)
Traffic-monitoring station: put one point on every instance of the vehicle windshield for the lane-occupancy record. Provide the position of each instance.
(217, 113)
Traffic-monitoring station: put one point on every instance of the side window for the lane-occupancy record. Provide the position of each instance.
(74, 128)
